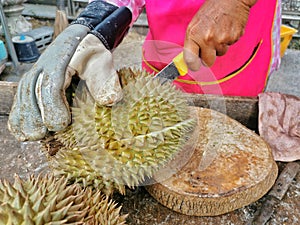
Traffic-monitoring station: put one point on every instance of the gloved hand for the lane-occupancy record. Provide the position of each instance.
(92, 60)
(40, 103)
(216, 26)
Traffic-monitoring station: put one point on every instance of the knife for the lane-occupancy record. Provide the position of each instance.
(169, 73)
(174, 69)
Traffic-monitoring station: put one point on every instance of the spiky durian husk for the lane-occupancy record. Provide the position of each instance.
(110, 147)
(45, 201)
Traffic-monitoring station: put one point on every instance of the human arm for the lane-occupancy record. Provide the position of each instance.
(40, 103)
(135, 6)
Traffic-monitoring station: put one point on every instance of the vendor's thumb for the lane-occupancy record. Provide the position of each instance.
(94, 64)
(191, 54)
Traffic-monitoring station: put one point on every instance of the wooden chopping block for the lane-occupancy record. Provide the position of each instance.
(240, 171)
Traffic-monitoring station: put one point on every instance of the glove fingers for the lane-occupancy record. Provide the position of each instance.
(103, 83)
(25, 121)
(108, 92)
(50, 88)
(52, 102)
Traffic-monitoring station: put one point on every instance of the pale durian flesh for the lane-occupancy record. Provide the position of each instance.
(113, 147)
(46, 200)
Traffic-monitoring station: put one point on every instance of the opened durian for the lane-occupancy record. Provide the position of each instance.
(46, 200)
(113, 147)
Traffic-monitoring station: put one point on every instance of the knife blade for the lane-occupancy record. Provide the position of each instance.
(174, 69)
(169, 73)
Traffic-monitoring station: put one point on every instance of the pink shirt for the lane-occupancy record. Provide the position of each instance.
(167, 25)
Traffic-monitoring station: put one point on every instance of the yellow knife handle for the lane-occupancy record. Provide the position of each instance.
(180, 64)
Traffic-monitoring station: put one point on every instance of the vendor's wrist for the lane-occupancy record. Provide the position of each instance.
(94, 13)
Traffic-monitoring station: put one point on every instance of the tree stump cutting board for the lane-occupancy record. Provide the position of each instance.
(223, 167)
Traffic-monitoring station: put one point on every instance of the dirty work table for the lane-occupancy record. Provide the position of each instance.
(27, 158)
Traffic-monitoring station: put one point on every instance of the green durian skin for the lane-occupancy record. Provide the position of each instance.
(47, 200)
(112, 147)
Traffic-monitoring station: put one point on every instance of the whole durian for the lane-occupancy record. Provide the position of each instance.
(113, 147)
(46, 200)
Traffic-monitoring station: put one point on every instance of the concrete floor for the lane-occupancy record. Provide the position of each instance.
(287, 78)
(28, 158)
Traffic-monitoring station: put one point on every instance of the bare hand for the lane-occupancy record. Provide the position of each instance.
(216, 26)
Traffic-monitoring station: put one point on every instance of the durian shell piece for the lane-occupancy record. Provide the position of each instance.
(146, 113)
(75, 164)
(46, 200)
(114, 150)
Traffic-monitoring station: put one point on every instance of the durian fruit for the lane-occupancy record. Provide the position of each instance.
(113, 147)
(48, 201)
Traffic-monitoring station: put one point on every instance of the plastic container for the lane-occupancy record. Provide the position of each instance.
(286, 35)
(26, 48)
(3, 52)
(42, 36)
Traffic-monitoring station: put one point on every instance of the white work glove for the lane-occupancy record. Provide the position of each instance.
(40, 103)
(93, 62)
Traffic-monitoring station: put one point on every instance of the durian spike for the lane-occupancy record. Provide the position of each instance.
(109, 148)
(56, 203)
